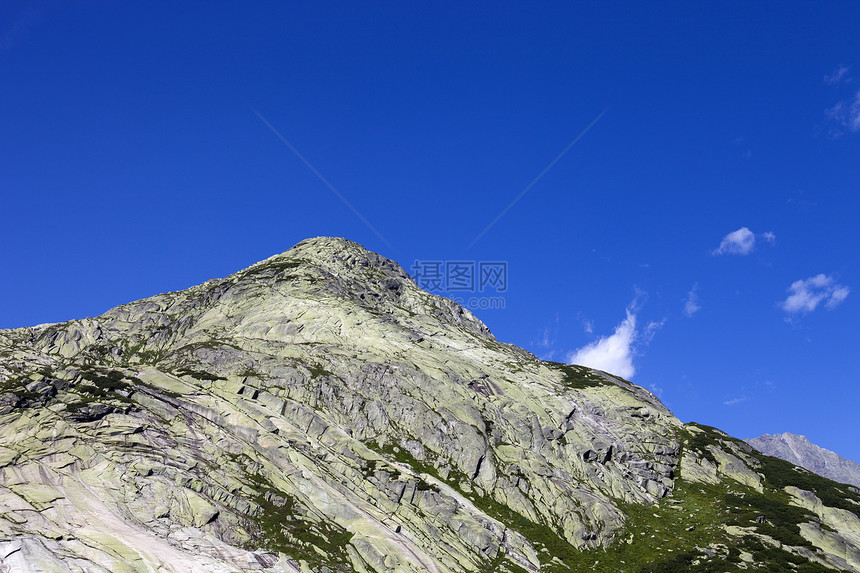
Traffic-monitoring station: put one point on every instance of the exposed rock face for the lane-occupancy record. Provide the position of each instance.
(319, 412)
(801, 452)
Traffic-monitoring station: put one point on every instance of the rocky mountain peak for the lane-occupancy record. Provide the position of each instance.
(799, 450)
(335, 286)
(318, 412)
(342, 256)
(329, 268)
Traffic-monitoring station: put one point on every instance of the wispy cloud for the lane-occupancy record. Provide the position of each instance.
(548, 334)
(845, 116)
(650, 331)
(588, 326)
(546, 339)
(839, 75)
(741, 242)
(768, 384)
(17, 27)
(802, 200)
(691, 303)
(805, 295)
(747, 153)
(734, 401)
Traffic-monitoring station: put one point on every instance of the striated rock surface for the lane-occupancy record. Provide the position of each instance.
(800, 451)
(319, 412)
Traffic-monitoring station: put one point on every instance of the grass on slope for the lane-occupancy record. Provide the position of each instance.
(284, 526)
(685, 533)
(95, 392)
(578, 377)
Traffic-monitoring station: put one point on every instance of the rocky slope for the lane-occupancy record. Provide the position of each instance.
(319, 412)
(801, 452)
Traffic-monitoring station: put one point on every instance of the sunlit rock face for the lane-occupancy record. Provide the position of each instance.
(801, 452)
(319, 412)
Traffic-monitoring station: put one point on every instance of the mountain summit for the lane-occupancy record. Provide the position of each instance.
(317, 411)
(800, 451)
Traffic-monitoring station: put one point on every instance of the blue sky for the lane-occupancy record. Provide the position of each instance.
(700, 237)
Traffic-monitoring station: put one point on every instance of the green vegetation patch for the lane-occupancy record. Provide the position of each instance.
(114, 386)
(544, 538)
(151, 357)
(578, 377)
(140, 353)
(501, 565)
(284, 265)
(283, 268)
(707, 436)
(661, 538)
(780, 473)
(781, 520)
(285, 528)
(103, 381)
(100, 391)
(318, 370)
(403, 456)
(16, 394)
(688, 535)
(765, 558)
(687, 532)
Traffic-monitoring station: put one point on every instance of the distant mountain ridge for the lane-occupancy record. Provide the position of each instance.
(801, 452)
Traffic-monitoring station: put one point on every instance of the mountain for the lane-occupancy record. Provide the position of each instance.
(317, 411)
(801, 452)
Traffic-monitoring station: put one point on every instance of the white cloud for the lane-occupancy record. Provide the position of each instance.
(839, 75)
(691, 304)
(734, 401)
(839, 294)
(741, 242)
(613, 353)
(845, 115)
(805, 295)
